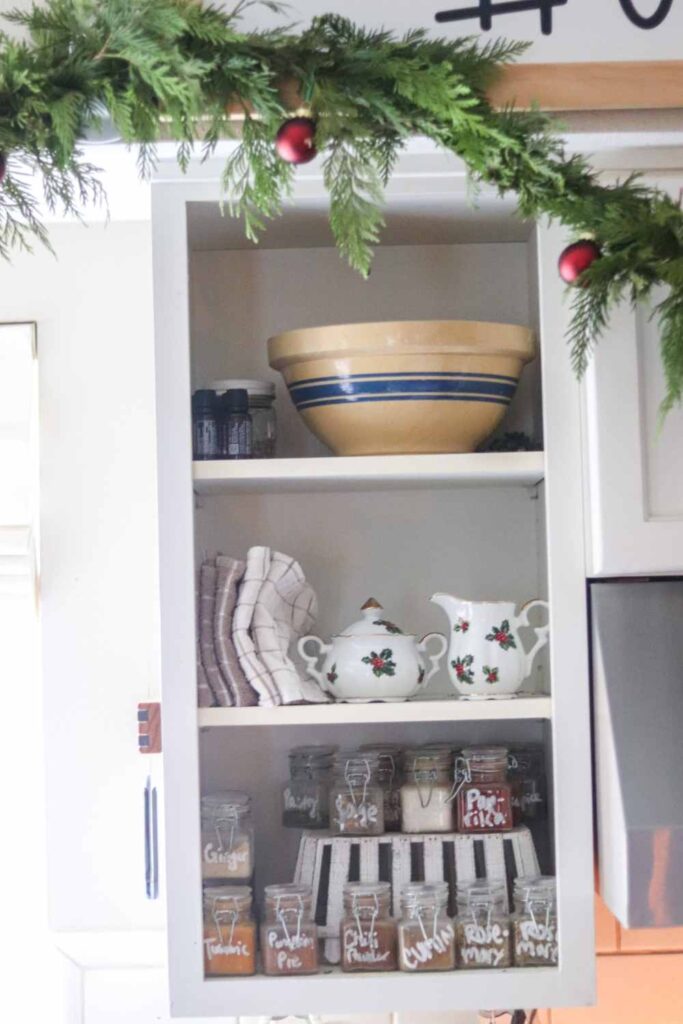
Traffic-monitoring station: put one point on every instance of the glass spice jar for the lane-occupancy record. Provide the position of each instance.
(229, 930)
(289, 935)
(306, 796)
(427, 790)
(263, 421)
(368, 932)
(389, 778)
(356, 798)
(227, 837)
(484, 794)
(426, 935)
(526, 772)
(534, 922)
(482, 927)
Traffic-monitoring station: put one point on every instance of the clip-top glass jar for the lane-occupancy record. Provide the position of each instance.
(306, 796)
(534, 922)
(227, 836)
(356, 798)
(426, 935)
(485, 795)
(229, 930)
(482, 927)
(427, 790)
(289, 935)
(368, 932)
(263, 423)
(526, 772)
(389, 778)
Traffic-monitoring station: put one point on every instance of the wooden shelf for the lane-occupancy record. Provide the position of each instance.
(406, 711)
(376, 472)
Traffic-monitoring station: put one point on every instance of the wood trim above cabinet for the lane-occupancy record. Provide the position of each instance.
(607, 85)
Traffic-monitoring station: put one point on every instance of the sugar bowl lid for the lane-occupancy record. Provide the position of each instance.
(372, 623)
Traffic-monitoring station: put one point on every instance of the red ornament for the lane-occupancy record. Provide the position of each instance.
(295, 140)
(576, 258)
(3, 167)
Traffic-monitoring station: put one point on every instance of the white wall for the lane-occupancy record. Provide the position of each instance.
(93, 307)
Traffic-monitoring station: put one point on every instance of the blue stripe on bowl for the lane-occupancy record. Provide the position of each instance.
(437, 375)
(351, 389)
(354, 399)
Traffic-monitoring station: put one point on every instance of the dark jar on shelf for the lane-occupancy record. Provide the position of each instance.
(229, 930)
(526, 772)
(261, 409)
(426, 934)
(356, 797)
(534, 922)
(389, 777)
(306, 796)
(289, 935)
(482, 927)
(235, 429)
(484, 795)
(368, 932)
(205, 444)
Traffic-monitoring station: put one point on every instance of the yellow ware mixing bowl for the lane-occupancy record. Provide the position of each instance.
(404, 387)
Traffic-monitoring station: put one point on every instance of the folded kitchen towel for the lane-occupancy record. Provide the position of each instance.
(208, 575)
(286, 607)
(256, 572)
(230, 572)
(206, 698)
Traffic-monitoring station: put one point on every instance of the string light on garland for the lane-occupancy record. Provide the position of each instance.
(295, 140)
(576, 258)
(186, 65)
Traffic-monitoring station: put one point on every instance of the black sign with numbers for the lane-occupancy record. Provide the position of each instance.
(487, 10)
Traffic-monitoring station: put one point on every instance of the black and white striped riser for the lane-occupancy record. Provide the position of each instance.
(326, 862)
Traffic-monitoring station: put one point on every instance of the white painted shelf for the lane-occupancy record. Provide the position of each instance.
(407, 711)
(381, 472)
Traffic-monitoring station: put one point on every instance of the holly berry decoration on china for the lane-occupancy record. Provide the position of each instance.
(576, 258)
(295, 140)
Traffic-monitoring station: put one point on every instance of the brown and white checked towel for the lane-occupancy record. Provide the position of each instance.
(286, 608)
(205, 695)
(274, 605)
(230, 573)
(208, 575)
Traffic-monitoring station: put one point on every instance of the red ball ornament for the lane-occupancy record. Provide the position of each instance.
(576, 258)
(295, 141)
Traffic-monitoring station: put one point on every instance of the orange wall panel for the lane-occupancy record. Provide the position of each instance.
(633, 990)
(606, 928)
(651, 940)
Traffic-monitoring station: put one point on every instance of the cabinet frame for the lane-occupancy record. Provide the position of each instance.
(572, 983)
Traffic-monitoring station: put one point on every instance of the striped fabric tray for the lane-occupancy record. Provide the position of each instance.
(325, 862)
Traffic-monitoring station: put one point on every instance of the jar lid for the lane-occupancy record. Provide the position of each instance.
(389, 755)
(230, 802)
(481, 892)
(486, 756)
(372, 622)
(414, 894)
(288, 895)
(203, 401)
(356, 763)
(236, 400)
(312, 754)
(539, 889)
(428, 758)
(219, 898)
(252, 387)
(366, 892)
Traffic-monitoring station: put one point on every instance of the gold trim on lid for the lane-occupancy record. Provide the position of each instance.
(371, 603)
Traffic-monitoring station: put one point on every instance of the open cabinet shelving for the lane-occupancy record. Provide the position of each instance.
(487, 525)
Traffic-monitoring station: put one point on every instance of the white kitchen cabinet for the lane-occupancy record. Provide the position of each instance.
(400, 529)
(634, 461)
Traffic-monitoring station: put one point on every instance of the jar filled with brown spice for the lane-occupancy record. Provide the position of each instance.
(426, 935)
(482, 927)
(356, 798)
(534, 923)
(289, 935)
(368, 932)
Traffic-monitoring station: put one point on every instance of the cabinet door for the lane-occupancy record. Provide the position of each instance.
(634, 464)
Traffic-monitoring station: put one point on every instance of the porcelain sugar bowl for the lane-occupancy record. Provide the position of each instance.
(373, 660)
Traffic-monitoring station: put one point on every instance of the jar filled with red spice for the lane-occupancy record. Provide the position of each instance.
(426, 934)
(484, 795)
(289, 935)
(368, 932)
(229, 931)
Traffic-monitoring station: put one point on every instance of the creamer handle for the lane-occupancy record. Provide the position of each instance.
(540, 631)
(434, 658)
(312, 659)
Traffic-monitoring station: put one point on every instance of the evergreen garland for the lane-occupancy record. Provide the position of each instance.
(163, 67)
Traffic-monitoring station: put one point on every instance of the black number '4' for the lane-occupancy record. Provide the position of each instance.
(486, 10)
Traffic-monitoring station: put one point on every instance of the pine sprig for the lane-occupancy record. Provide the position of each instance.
(163, 68)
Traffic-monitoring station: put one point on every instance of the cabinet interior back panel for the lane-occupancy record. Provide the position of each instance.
(238, 299)
(399, 547)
